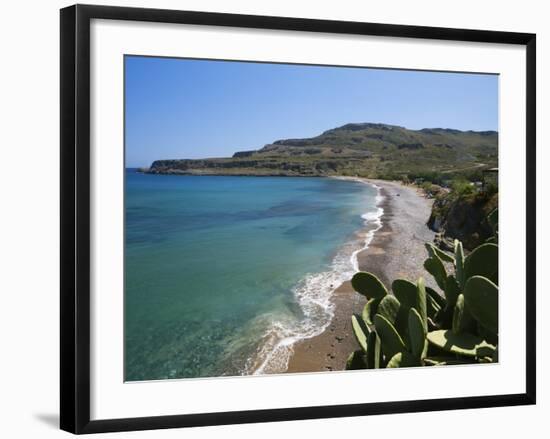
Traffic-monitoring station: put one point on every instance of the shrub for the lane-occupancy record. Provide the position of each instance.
(462, 187)
(490, 189)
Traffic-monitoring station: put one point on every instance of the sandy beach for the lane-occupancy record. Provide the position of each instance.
(396, 251)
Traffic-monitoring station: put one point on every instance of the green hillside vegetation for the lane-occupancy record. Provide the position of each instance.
(357, 149)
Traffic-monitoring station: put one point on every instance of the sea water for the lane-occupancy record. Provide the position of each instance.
(224, 274)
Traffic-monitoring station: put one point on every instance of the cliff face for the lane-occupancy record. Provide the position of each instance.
(463, 218)
(365, 149)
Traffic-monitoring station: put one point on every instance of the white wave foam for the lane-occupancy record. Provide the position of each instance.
(313, 294)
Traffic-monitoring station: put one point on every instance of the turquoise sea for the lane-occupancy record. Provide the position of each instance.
(224, 274)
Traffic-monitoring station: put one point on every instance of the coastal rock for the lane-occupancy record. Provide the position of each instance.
(462, 218)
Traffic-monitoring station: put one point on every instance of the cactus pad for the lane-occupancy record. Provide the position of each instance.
(392, 343)
(483, 261)
(481, 297)
(461, 344)
(360, 331)
(417, 334)
(368, 285)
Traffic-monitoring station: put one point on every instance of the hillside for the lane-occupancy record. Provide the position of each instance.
(364, 149)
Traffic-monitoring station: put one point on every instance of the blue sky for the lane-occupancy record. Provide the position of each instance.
(177, 108)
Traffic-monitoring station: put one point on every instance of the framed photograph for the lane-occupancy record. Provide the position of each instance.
(268, 218)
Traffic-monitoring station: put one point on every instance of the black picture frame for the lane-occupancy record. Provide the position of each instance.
(75, 217)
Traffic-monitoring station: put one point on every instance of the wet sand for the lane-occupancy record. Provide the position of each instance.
(396, 251)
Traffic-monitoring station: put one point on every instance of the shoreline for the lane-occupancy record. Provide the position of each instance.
(273, 356)
(395, 250)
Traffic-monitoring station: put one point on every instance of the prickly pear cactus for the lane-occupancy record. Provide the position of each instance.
(414, 325)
